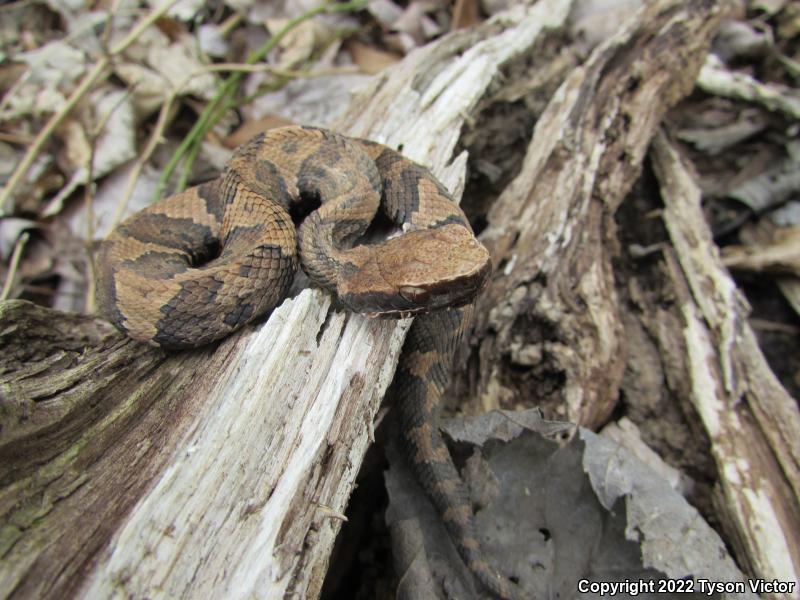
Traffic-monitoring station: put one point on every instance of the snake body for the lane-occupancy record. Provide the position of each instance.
(195, 266)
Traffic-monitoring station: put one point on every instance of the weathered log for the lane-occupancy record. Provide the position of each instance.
(225, 471)
(549, 324)
(750, 419)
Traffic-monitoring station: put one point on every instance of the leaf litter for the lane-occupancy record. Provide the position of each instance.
(552, 513)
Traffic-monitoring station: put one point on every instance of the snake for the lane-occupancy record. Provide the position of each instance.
(196, 266)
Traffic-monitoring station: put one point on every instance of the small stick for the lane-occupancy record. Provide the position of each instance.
(12, 268)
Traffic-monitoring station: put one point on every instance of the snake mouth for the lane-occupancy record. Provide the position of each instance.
(415, 312)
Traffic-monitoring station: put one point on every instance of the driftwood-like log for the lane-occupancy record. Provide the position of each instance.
(552, 309)
(751, 421)
(224, 471)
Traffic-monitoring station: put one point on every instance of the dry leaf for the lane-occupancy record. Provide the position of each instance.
(370, 59)
(154, 67)
(181, 67)
(777, 184)
(114, 145)
(626, 433)
(739, 39)
(714, 140)
(9, 157)
(385, 12)
(770, 7)
(769, 249)
(212, 41)
(110, 193)
(300, 43)
(52, 70)
(319, 101)
(10, 230)
(184, 10)
(550, 514)
(250, 129)
(10, 74)
(147, 86)
(466, 13)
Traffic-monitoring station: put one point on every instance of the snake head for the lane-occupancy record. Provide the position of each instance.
(417, 272)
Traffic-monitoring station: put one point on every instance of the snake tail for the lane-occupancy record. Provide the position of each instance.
(422, 375)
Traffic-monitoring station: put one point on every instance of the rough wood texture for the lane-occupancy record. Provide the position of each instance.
(220, 472)
(752, 422)
(552, 308)
(551, 328)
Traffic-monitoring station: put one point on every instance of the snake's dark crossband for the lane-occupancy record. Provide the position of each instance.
(198, 265)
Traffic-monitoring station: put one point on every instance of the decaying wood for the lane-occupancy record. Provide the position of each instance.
(752, 422)
(220, 472)
(552, 308)
(716, 79)
(552, 311)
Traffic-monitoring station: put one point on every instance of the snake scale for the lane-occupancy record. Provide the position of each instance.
(196, 266)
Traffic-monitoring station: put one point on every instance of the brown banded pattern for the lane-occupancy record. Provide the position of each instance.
(196, 266)
(422, 374)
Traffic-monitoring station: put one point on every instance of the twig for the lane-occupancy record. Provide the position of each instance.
(94, 134)
(14, 265)
(141, 26)
(715, 78)
(106, 39)
(15, 138)
(287, 73)
(152, 143)
(228, 24)
(99, 68)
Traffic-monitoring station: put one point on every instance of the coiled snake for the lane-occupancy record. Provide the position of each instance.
(198, 265)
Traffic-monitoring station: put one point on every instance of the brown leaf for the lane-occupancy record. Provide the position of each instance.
(769, 248)
(299, 44)
(466, 13)
(369, 59)
(250, 129)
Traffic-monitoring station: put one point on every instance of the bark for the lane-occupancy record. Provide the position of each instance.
(568, 324)
(549, 325)
(751, 421)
